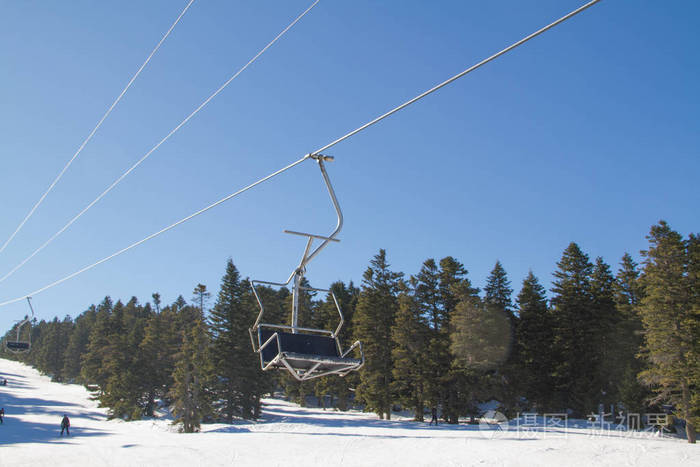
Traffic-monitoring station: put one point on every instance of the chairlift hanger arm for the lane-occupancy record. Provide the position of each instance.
(306, 353)
(309, 254)
(320, 158)
(28, 319)
(307, 257)
(31, 308)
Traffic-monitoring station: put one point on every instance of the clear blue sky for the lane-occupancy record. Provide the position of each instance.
(589, 133)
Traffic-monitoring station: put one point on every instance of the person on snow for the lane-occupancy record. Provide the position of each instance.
(2, 415)
(65, 425)
(433, 412)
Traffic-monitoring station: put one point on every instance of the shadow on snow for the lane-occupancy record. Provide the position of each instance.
(16, 429)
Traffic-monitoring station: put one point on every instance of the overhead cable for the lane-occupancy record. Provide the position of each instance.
(153, 149)
(161, 231)
(94, 130)
(293, 164)
(456, 77)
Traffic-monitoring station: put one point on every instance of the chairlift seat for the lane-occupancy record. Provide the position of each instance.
(303, 351)
(17, 346)
(306, 353)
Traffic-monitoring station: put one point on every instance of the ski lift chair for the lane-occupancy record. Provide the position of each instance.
(306, 353)
(21, 345)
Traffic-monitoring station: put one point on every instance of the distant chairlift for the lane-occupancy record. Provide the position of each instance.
(19, 345)
(305, 352)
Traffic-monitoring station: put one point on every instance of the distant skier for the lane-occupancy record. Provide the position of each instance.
(435, 417)
(65, 425)
(4, 382)
(2, 415)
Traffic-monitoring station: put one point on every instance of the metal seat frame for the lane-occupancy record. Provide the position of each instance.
(18, 345)
(281, 360)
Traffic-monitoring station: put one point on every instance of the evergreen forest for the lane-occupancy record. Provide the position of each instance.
(624, 336)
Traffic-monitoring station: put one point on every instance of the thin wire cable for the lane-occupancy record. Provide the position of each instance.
(153, 235)
(232, 195)
(94, 130)
(457, 76)
(154, 148)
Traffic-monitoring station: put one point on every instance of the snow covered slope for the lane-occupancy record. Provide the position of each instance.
(288, 436)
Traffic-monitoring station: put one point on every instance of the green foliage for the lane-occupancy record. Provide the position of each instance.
(162, 339)
(410, 336)
(374, 318)
(508, 377)
(51, 353)
(201, 296)
(628, 338)
(497, 290)
(444, 383)
(480, 340)
(430, 341)
(632, 394)
(92, 371)
(670, 312)
(534, 334)
(77, 345)
(241, 383)
(480, 343)
(575, 366)
(121, 361)
(606, 319)
(193, 377)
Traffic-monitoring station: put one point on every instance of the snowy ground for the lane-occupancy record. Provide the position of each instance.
(291, 436)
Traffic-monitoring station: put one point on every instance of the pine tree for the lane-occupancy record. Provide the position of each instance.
(459, 386)
(629, 337)
(92, 371)
(51, 352)
(628, 288)
(453, 285)
(162, 338)
(241, 383)
(436, 359)
(78, 344)
(437, 292)
(574, 375)
(410, 335)
(156, 301)
(693, 249)
(670, 312)
(122, 362)
(427, 294)
(497, 290)
(605, 321)
(374, 318)
(507, 378)
(201, 295)
(191, 391)
(533, 336)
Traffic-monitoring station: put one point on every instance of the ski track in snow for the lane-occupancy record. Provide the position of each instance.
(287, 435)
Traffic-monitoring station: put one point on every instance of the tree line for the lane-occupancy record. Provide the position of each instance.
(629, 339)
(139, 358)
(431, 339)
